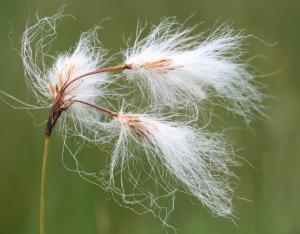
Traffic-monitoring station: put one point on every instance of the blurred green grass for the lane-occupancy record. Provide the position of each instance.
(74, 206)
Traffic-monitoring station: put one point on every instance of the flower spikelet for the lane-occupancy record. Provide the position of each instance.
(176, 67)
(198, 160)
(57, 86)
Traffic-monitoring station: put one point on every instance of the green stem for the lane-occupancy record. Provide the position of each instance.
(43, 180)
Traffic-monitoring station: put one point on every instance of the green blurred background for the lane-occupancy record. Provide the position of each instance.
(77, 207)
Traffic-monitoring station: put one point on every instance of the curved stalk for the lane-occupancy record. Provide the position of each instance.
(43, 180)
(102, 70)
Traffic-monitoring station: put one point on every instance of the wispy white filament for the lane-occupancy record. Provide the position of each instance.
(177, 67)
(46, 82)
(198, 160)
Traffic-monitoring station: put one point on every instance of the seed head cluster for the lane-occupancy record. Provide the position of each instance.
(154, 153)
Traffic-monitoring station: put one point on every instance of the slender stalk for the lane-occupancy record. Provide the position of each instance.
(43, 180)
(102, 70)
(101, 108)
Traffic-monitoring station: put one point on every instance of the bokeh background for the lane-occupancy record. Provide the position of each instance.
(272, 146)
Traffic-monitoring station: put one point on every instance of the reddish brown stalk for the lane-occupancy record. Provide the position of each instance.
(53, 117)
(101, 108)
(106, 69)
(56, 110)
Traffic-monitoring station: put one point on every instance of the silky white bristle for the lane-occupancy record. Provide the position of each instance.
(177, 67)
(198, 160)
(46, 83)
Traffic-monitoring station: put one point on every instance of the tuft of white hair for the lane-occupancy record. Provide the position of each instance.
(45, 81)
(196, 159)
(177, 67)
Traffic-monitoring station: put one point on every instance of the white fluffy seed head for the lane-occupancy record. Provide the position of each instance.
(85, 58)
(49, 84)
(198, 160)
(69, 66)
(177, 67)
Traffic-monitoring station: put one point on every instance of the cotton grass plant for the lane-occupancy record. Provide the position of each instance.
(157, 149)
